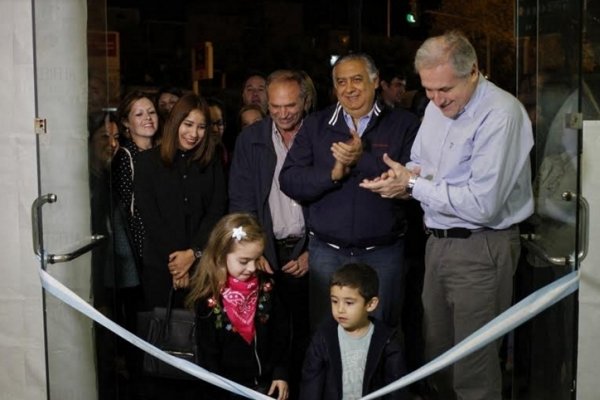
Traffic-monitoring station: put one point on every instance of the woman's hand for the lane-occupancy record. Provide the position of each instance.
(282, 389)
(181, 283)
(180, 262)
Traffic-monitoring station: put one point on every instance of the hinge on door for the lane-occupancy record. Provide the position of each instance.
(574, 120)
(40, 126)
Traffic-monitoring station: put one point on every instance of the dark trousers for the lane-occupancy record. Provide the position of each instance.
(294, 294)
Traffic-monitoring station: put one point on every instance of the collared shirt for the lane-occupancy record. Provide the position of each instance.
(286, 214)
(362, 121)
(476, 166)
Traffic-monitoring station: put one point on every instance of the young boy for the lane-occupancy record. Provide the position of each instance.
(353, 355)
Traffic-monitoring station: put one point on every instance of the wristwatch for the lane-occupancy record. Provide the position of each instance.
(197, 252)
(411, 184)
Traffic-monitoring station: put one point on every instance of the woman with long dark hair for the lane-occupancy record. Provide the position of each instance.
(181, 194)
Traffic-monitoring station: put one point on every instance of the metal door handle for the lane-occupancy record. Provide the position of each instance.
(36, 222)
(584, 228)
(529, 240)
(38, 235)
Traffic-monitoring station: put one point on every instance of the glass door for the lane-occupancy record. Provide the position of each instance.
(553, 66)
(73, 105)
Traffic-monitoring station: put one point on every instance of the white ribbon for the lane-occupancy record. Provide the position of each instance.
(516, 315)
(496, 328)
(63, 293)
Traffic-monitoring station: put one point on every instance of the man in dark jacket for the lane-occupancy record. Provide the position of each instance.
(254, 187)
(334, 151)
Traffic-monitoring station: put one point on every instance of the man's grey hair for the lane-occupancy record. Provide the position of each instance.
(287, 75)
(453, 47)
(371, 68)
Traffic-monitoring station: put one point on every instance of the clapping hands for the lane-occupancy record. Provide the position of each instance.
(346, 155)
(391, 183)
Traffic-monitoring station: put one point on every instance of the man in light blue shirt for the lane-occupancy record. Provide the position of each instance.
(470, 171)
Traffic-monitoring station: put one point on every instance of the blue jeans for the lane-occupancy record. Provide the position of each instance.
(388, 261)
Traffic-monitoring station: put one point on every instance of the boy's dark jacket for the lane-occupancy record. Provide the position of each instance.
(322, 370)
(224, 352)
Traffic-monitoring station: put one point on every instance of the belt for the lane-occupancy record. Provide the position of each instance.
(454, 233)
(390, 240)
(351, 248)
(289, 241)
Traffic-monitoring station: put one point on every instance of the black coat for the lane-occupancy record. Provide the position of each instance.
(226, 353)
(322, 370)
(179, 206)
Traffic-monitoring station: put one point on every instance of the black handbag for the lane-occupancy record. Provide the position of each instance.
(174, 332)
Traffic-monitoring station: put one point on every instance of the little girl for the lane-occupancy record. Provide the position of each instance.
(242, 330)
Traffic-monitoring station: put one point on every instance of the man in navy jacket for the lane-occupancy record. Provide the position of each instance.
(334, 151)
(254, 187)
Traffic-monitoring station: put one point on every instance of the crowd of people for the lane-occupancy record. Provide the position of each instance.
(329, 250)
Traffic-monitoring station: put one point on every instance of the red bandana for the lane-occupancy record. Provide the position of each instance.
(239, 301)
